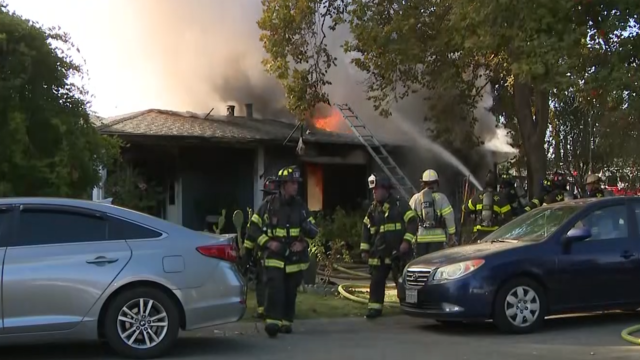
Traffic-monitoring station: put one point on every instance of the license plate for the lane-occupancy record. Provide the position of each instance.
(411, 296)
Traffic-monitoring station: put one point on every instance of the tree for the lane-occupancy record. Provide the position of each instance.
(452, 49)
(49, 145)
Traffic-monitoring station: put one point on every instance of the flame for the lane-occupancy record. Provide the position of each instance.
(334, 122)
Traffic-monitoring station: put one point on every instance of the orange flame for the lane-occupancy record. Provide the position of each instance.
(334, 122)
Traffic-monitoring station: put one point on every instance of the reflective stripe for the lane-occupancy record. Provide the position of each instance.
(311, 220)
(364, 246)
(536, 201)
(409, 237)
(291, 268)
(376, 306)
(505, 209)
(274, 263)
(285, 322)
(261, 310)
(366, 221)
(282, 232)
(272, 321)
(485, 228)
(377, 261)
(256, 219)
(263, 239)
(391, 227)
(432, 238)
(409, 214)
(451, 230)
(249, 244)
(373, 229)
(446, 211)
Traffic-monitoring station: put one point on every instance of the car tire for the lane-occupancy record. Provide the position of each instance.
(161, 310)
(520, 306)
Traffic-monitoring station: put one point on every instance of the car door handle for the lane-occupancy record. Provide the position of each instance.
(627, 255)
(102, 260)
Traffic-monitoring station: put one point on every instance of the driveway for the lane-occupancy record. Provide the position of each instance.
(593, 336)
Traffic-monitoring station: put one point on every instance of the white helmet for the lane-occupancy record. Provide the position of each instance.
(429, 176)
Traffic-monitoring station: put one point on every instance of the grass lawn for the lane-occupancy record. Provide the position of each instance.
(314, 306)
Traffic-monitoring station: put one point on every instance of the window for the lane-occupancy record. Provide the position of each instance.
(5, 222)
(120, 229)
(44, 227)
(607, 223)
(636, 207)
(535, 225)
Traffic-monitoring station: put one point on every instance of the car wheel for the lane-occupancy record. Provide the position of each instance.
(520, 306)
(141, 323)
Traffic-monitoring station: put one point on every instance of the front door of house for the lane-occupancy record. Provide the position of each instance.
(173, 203)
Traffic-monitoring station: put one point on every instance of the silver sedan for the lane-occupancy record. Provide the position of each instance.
(74, 269)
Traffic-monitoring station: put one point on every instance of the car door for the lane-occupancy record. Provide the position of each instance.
(634, 227)
(58, 266)
(6, 230)
(593, 270)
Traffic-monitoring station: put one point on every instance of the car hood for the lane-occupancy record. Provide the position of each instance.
(462, 253)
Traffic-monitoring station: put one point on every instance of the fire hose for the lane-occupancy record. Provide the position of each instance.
(347, 290)
(626, 334)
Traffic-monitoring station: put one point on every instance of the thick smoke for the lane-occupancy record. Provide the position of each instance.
(204, 53)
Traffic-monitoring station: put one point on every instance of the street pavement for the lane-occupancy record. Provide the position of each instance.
(392, 338)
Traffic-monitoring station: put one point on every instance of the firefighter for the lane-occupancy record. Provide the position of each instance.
(282, 228)
(389, 230)
(489, 208)
(435, 216)
(553, 191)
(592, 185)
(252, 259)
(514, 193)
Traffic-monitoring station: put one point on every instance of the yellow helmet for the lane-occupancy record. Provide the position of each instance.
(429, 176)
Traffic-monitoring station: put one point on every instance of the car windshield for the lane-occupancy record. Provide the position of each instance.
(535, 225)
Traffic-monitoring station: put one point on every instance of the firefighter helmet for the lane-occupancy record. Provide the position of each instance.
(429, 176)
(380, 181)
(289, 173)
(506, 180)
(270, 185)
(490, 181)
(592, 179)
(558, 180)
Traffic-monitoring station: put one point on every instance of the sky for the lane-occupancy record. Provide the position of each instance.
(195, 55)
(117, 84)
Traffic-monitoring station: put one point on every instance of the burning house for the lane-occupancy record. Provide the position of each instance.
(207, 162)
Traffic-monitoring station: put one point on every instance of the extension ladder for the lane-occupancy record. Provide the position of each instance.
(380, 155)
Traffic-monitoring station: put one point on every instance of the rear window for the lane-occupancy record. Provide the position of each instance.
(536, 225)
(120, 229)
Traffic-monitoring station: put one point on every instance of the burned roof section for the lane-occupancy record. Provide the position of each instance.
(156, 122)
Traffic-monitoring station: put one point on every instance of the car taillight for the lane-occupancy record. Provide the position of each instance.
(225, 252)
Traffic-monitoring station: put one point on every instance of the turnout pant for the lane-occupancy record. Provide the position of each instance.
(378, 284)
(281, 294)
(260, 286)
(424, 248)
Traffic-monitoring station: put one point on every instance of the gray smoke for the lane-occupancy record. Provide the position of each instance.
(207, 53)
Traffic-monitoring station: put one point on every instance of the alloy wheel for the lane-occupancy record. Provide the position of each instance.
(142, 323)
(522, 306)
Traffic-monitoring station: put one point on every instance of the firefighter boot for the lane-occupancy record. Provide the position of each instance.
(286, 329)
(272, 329)
(373, 313)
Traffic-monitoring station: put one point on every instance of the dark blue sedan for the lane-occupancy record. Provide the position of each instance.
(569, 257)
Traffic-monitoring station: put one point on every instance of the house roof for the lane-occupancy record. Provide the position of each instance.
(155, 122)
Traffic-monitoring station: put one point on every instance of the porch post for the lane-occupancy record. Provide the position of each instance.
(258, 169)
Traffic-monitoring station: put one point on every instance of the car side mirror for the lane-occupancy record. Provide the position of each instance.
(577, 234)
